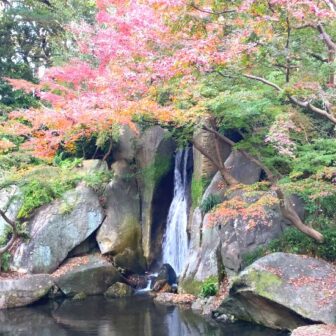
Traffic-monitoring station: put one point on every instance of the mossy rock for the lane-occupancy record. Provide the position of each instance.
(119, 290)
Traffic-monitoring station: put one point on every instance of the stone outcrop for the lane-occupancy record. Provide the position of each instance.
(23, 291)
(90, 275)
(284, 291)
(154, 157)
(243, 169)
(202, 261)
(55, 229)
(120, 233)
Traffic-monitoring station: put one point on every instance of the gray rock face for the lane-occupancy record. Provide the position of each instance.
(120, 233)
(242, 235)
(215, 188)
(243, 169)
(284, 291)
(56, 229)
(126, 148)
(91, 275)
(206, 264)
(24, 291)
(154, 151)
(10, 203)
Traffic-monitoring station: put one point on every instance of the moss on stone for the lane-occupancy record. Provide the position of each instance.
(191, 286)
(264, 282)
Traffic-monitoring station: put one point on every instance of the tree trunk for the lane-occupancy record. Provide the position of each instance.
(289, 213)
(286, 208)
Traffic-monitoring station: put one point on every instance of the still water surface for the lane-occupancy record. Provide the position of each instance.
(137, 316)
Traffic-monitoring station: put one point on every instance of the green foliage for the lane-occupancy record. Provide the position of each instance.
(294, 241)
(42, 184)
(313, 157)
(198, 187)
(5, 260)
(153, 173)
(209, 287)
(209, 203)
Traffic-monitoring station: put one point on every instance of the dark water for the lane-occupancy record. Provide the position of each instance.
(137, 316)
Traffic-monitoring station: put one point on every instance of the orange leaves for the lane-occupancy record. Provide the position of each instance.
(240, 207)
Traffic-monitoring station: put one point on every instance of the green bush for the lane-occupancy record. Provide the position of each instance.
(209, 287)
(198, 187)
(294, 241)
(5, 259)
(210, 202)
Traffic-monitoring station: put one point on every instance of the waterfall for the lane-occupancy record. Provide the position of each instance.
(175, 243)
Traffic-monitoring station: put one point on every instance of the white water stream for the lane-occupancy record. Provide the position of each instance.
(175, 244)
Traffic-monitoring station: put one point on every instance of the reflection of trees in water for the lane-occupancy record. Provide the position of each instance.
(120, 317)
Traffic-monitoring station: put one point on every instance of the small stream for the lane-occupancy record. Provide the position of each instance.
(136, 316)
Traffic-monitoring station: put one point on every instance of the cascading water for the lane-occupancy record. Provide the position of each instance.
(175, 244)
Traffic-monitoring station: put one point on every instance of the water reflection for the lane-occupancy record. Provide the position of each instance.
(136, 316)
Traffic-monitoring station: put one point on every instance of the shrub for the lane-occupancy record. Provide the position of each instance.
(294, 241)
(197, 189)
(5, 259)
(210, 202)
(209, 287)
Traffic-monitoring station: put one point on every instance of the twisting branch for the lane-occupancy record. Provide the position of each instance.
(229, 179)
(11, 241)
(331, 45)
(300, 103)
(286, 206)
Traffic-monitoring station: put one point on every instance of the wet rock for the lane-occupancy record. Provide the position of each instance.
(23, 291)
(170, 298)
(91, 275)
(56, 229)
(80, 296)
(284, 291)
(119, 290)
(166, 276)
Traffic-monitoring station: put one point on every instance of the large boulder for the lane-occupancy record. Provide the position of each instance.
(242, 234)
(315, 330)
(90, 275)
(155, 162)
(243, 169)
(23, 291)
(284, 291)
(120, 233)
(55, 229)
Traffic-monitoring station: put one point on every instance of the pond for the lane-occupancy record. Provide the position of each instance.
(136, 316)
